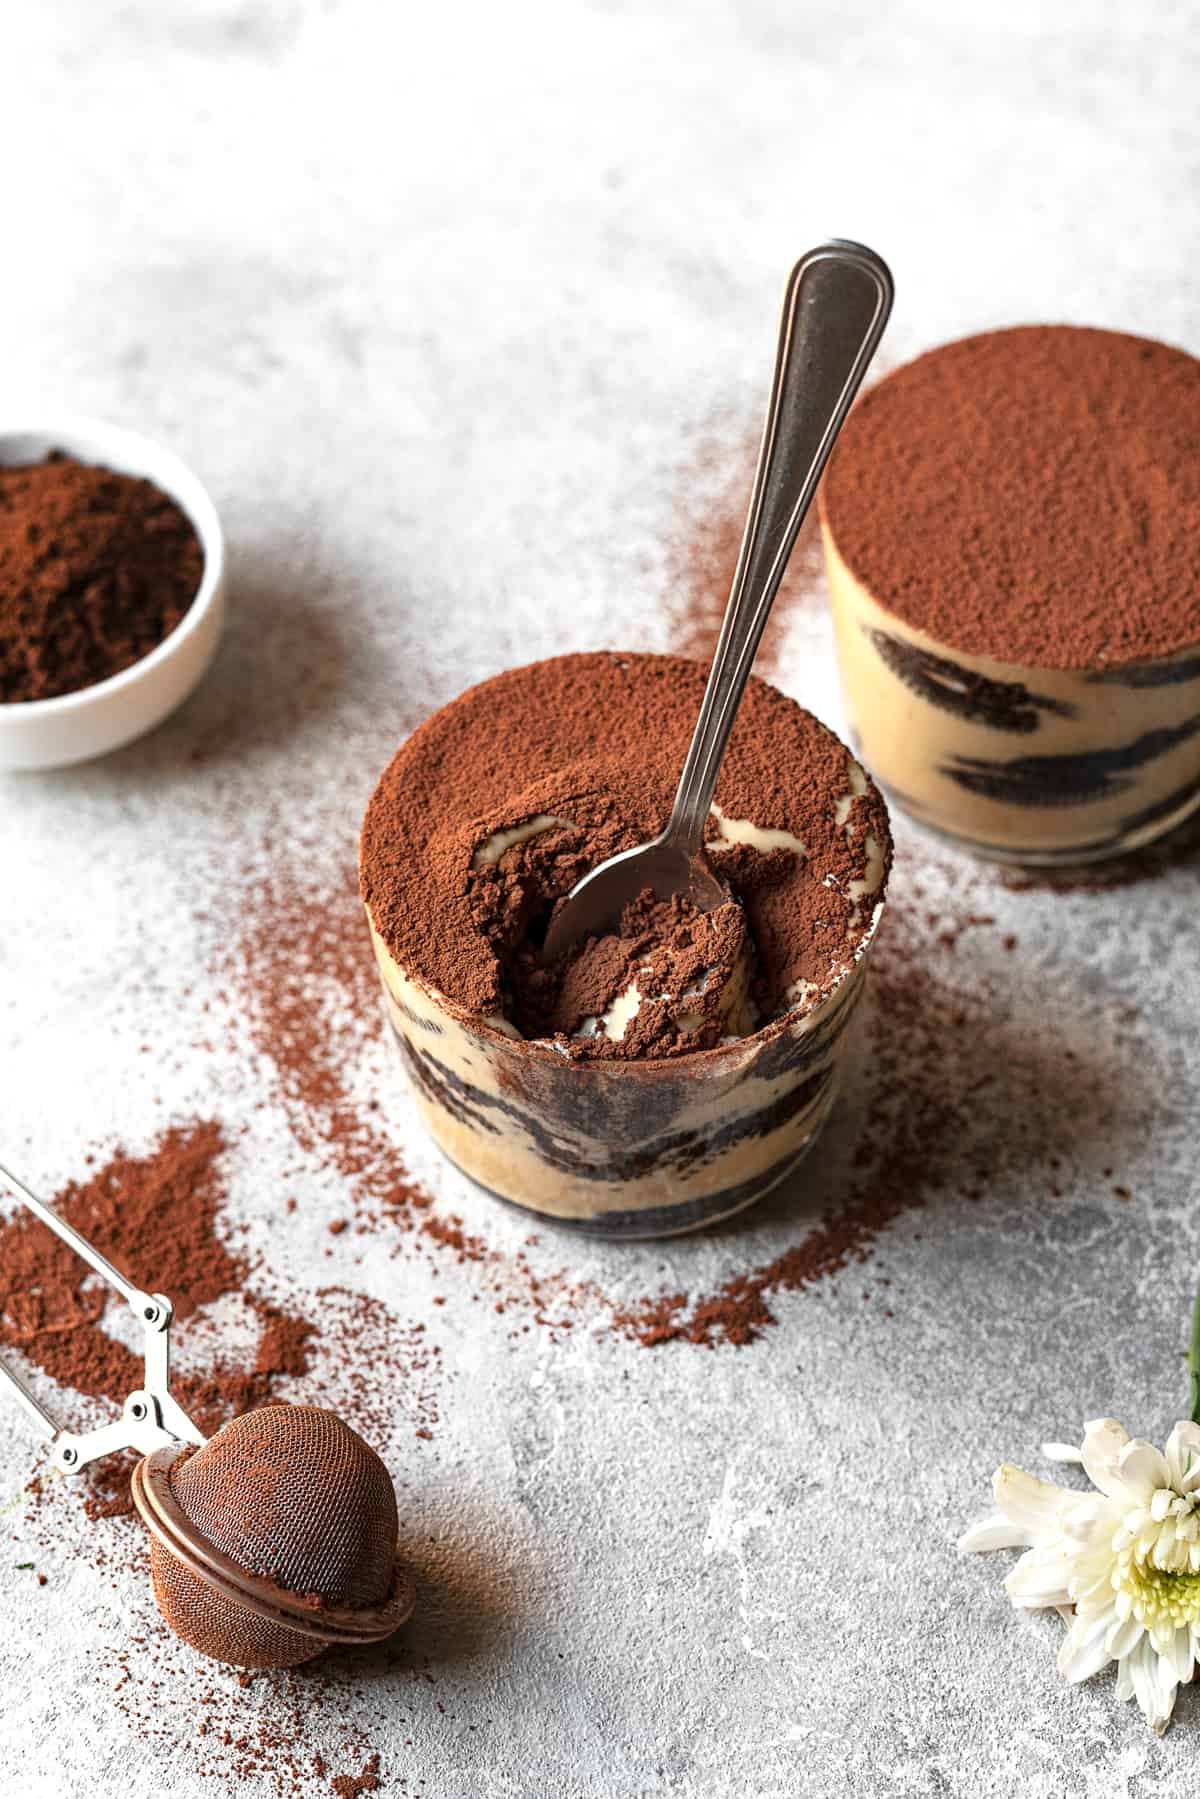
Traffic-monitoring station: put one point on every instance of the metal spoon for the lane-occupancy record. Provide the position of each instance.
(835, 307)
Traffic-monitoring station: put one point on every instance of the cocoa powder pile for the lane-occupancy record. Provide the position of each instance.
(1030, 494)
(590, 747)
(96, 569)
(156, 1216)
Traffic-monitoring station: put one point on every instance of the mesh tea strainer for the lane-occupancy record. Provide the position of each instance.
(270, 1541)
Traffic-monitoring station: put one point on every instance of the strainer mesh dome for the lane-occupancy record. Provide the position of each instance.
(296, 1497)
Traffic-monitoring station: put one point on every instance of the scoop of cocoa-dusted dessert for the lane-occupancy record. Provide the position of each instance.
(670, 980)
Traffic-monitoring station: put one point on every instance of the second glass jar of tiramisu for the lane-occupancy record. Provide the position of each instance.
(672, 1072)
(1012, 535)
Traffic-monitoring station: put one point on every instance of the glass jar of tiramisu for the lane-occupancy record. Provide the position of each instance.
(1012, 536)
(671, 1072)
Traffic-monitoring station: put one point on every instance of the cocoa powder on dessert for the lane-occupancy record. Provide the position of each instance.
(590, 747)
(96, 569)
(1030, 494)
(683, 964)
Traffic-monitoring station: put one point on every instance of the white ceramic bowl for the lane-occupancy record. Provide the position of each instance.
(75, 727)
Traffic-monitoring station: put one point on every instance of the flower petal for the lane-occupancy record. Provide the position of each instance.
(1028, 1501)
(1154, 1685)
(1093, 1589)
(1084, 1649)
(1180, 1652)
(1041, 1577)
(1103, 1441)
(1061, 1452)
(1183, 1456)
(1123, 1636)
(1086, 1510)
(1143, 1469)
(994, 1532)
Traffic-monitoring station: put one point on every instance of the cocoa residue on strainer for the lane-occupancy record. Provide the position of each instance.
(275, 1539)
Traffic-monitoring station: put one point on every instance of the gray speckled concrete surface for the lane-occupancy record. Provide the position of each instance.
(441, 301)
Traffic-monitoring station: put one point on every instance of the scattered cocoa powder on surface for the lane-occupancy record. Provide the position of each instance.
(1063, 533)
(937, 1088)
(387, 1369)
(928, 1127)
(594, 743)
(915, 1143)
(304, 974)
(308, 992)
(155, 1215)
(702, 555)
(1178, 850)
(285, 1729)
(351, 1786)
(96, 569)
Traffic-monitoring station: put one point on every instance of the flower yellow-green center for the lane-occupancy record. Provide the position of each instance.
(1159, 1595)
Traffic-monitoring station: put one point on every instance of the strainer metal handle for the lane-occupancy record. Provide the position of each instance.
(150, 1418)
(165, 1518)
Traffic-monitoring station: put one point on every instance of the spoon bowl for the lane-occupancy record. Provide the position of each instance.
(596, 903)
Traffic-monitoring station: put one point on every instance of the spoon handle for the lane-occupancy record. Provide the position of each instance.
(835, 307)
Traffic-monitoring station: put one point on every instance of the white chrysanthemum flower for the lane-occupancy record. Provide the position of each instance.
(1122, 1564)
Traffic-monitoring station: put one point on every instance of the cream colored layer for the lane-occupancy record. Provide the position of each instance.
(489, 852)
(907, 742)
(508, 1157)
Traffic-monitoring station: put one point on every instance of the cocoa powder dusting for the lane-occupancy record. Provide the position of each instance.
(96, 569)
(308, 990)
(946, 1097)
(703, 552)
(1030, 494)
(156, 1217)
(589, 748)
(351, 1786)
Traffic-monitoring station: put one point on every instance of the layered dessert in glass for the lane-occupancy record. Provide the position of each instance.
(1012, 536)
(666, 1074)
